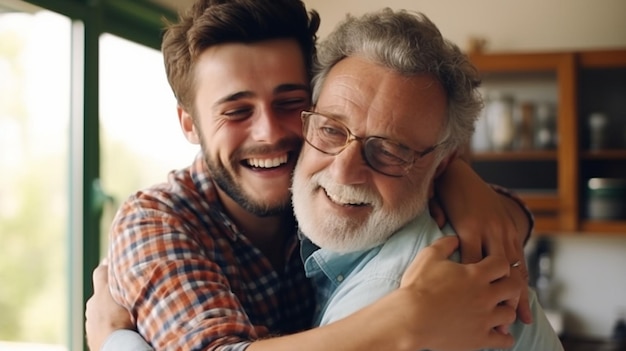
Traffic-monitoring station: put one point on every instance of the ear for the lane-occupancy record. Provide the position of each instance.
(187, 125)
(441, 167)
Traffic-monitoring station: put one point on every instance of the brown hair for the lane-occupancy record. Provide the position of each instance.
(214, 22)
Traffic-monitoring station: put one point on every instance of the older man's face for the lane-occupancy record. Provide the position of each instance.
(340, 201)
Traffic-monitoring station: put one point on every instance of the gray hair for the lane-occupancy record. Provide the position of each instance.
(408, 43)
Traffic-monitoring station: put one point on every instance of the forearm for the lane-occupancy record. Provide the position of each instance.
(367, 329)
(389, 324)
(459, 186)
(380, 326)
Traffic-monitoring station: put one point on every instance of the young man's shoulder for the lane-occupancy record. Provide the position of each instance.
(186, 204)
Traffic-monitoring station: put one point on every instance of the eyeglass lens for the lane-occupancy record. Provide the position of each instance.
(331, 137)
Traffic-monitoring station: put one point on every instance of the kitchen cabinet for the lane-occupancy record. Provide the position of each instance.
(552, 180)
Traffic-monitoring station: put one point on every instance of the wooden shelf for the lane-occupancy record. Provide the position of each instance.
(617, 154)
(532, 155)
(549, 225)
(522, 62)
(603, 59)
(540, 202)
(604, 227)
(579, 79)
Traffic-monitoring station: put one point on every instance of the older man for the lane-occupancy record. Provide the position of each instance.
(392, 101)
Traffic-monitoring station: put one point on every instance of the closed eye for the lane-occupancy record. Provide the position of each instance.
(292, 104)
(238, 114)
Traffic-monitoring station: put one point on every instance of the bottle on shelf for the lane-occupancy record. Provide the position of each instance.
(545, 132)
(598, 128)
(526, 124)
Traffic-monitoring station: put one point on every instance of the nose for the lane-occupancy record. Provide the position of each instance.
(269, 127)
(349, 167)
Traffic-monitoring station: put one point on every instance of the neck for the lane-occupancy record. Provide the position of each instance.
(267, 233)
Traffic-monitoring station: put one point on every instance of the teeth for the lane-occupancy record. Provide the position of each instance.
(267, 162)
(340, 200)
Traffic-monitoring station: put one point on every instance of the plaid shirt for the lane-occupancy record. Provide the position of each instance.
(191, 280)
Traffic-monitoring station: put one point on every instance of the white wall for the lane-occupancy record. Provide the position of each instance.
(508, 25)
(591, 270)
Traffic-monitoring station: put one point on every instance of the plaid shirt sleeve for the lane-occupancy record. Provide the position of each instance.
(178, 297)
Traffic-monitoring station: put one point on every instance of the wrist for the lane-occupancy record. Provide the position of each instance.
(520, 214)
(403, 327)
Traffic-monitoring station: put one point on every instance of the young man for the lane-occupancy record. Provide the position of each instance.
(371, 137)
(210, 259)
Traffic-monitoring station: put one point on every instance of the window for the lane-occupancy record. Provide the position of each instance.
(49, 148)
(140, 138)
(34, 174)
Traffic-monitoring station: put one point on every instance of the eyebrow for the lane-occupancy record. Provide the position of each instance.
(343, 119)
(340, 117)
(291, 87)
(283, 88)
(234, 97)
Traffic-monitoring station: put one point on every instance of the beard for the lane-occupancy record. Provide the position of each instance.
(225, 179)
(340, 233)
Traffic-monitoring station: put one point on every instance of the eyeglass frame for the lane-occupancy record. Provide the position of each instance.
(417, 155)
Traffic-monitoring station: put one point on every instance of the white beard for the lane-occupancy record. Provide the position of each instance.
(343, 234)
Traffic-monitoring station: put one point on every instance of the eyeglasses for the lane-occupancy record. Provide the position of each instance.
(383, 155)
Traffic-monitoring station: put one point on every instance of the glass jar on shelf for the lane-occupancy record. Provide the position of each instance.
(500, 121)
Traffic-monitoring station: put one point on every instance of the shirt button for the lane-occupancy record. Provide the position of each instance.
(340, 278)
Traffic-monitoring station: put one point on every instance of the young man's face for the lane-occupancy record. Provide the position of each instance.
(342, 203)
(247, 118)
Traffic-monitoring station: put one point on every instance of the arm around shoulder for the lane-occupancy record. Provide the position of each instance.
(437, 298)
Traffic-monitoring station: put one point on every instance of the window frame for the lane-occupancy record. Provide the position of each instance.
(139, 21)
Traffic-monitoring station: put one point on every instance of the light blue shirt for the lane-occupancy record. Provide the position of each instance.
(346, 283)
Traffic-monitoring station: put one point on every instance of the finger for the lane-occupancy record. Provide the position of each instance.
(523, 303)
(87, 307)
(516, 275)
(504, 329)
(471, 251)
(523, 308)
(495, 246)
(100, 277)
(497, 328)
(513, 302)
(505, 317)
(505, 290)
(438, 251)
(511, 247)
(445, 247)
(493, 268)
(498, 340)
(436, 212)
